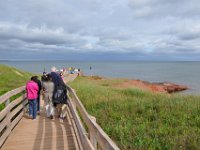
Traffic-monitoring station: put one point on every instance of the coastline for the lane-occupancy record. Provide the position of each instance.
(161, 87)
(183, 73)
(154, 87)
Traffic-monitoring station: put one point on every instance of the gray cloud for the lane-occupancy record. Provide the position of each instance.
(163, 8)
(32, 35)
(144, 28)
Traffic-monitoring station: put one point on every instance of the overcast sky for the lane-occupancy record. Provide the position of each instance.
(100, 29)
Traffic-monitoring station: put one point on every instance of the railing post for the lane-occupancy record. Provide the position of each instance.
(73, 97)
(25, 109)
(8, 116)
(92, 134)
(7, 102)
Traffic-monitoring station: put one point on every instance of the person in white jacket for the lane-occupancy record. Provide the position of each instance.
(48, 89)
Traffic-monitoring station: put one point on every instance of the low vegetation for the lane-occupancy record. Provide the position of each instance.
(137, 119)
(134, 119)
(11, 78)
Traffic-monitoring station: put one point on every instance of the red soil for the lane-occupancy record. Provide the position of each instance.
(164, 87)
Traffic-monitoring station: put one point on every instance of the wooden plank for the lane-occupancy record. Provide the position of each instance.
(18, 100)
(5, 111)
(82, 133)
(3, 124)
(6, 122)
(76, 137)
(3, 137)
(8, 116)
(16, 110)
(9, 94)
(16, 120)
(92, 135)
(102, 138)
(48, 146)
(42, 133)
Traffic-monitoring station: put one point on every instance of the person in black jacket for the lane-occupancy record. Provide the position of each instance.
(60, 93)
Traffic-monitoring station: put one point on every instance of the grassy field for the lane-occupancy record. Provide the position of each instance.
(137, 119)
(11, 78)
(134, 119)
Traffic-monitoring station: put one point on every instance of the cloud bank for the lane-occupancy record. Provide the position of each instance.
(123, 30)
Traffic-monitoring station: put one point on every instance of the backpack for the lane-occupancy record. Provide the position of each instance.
(60, 95)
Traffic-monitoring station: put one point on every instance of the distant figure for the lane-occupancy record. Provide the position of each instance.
(32, 95)
(79, 72)
(48, 89)
(62, 75)
(90, 67)
(71, 70)
(44, 71)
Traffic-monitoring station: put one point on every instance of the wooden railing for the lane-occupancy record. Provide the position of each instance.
(94, 137)
(12, 113)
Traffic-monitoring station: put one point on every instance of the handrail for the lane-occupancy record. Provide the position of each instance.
(11, 93)
(12, 113)
(97, 136)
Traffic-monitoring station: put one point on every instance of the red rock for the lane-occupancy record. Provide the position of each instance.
(171, 87)
(161, 87)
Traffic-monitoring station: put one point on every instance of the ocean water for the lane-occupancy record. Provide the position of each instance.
(186, 73)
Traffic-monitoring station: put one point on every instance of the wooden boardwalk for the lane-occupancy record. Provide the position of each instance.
(78, 131)
(43, 133)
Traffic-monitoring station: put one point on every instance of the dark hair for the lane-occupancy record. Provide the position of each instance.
(44, 78)
(44, 73)
(61, 73)
(34, 78)
(49, 77)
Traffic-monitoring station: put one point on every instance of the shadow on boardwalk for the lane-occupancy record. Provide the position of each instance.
(41, 134)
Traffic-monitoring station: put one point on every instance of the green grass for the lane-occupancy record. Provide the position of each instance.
(11, 78)
(137, 119)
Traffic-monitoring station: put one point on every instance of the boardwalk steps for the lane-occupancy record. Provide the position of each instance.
(19, 132)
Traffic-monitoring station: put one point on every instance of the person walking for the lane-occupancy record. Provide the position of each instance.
(62, 75)
(48, 89)
(59, 94)
(40, 87)
(32, 95)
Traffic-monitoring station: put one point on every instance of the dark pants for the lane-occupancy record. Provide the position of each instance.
(32, 108)
(38, 103)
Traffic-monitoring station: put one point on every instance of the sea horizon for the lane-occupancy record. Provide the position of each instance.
(2, 60)
(179, 72)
